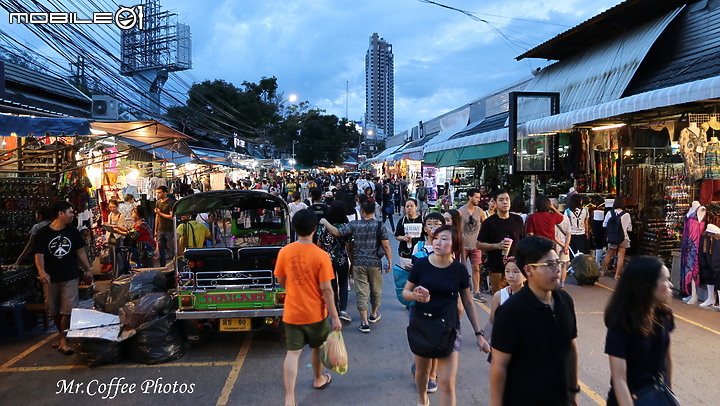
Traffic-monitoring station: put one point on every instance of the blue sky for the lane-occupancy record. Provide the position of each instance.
(443, 58)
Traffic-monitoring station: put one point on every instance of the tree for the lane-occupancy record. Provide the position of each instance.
(323, 138)
(219, 109)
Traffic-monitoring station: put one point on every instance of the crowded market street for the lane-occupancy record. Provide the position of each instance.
(246, 369)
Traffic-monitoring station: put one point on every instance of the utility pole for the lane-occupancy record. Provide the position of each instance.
(346, 100)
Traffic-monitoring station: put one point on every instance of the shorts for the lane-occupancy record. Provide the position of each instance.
(475, 256)
(313, 334)
(61, 297)
(624, 244)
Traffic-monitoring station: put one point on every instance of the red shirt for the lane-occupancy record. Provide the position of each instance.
(543, 224)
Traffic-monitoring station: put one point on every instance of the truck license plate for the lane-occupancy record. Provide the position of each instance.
(235, 324)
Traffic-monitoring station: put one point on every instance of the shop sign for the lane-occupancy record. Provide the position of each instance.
(125, 18)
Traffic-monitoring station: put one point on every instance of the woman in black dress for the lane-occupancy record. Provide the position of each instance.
(639, 322)
(435, 283)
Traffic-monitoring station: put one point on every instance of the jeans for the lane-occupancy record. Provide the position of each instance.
(166, 243)
(385, 216)
(368, 283)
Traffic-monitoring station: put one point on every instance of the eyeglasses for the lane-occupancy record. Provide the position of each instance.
(550, 264)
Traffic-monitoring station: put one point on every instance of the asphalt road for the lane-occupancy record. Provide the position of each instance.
(246, 369)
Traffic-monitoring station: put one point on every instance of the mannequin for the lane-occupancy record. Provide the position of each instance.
(713, 123)
(710, 261)
(690, 247)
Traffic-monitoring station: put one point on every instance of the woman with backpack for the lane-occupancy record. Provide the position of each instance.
(388, 207)
(617, 224)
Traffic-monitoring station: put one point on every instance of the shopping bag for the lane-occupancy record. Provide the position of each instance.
(333, 353)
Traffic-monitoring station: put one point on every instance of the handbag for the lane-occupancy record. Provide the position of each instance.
(112, 240)
(654, 393)
(432, 336)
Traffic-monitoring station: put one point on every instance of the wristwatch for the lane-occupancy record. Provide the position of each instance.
(575, 389)
(480, 333)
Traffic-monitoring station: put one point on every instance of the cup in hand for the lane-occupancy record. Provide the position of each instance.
(507, 242)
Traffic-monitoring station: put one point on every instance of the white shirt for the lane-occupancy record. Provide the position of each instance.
(296, 207)
(577, 220)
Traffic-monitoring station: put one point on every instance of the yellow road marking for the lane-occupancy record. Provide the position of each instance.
(694, 323)
(118, 366)
(594, 396)
(232, 377)
(26, 352)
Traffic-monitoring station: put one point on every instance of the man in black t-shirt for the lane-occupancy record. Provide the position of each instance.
(493, 234)
(58, 248)
(317, 206)
(164, 230)
(534, 336)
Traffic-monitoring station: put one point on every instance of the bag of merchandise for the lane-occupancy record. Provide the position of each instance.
(333, 353)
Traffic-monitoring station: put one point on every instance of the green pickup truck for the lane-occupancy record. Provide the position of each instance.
(228, 284)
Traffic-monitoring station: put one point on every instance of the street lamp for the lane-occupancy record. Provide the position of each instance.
(292, 161)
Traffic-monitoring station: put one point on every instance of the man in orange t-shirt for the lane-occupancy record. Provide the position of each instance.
(305, 270)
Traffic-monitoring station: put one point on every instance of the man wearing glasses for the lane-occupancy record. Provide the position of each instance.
(534, 337)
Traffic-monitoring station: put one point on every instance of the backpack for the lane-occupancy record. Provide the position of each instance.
(614, 231)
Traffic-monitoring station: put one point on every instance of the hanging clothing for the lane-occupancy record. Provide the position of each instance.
(692, 149)
(710, 258)
(689, 251)
(712, 161)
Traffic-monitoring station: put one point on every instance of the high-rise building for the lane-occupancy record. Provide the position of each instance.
(379, 89)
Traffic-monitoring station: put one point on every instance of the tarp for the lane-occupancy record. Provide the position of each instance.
(174, 151)
(22, 126)
(483, 151)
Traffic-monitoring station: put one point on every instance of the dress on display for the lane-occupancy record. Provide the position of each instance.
(692, 148)
(690, 248)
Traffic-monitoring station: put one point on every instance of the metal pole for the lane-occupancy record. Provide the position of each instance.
(533, 192)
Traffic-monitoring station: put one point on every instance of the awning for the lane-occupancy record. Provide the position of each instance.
(22, 126)
(488, 137)
(169, 149)
(381, 156)
(698, 90)
(484, 151)
(145, 131)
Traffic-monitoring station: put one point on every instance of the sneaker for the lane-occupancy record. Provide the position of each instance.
(364, 328)
(478, 297)
(432, 386)
(373, 318)
(344, 316)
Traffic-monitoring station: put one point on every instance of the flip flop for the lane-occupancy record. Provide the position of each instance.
(325, 385)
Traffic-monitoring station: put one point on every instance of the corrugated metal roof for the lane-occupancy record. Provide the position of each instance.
(599, 75)
(688, 50)
(600, 28)
(42, 81)
(477, 139)
(491, 123)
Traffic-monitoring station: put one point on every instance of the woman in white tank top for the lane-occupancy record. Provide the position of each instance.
(515, 280)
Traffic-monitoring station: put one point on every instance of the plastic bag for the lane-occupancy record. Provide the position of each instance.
(95, 352)
(133, 286)
(157, 341)
(333, 353)
(151, 306)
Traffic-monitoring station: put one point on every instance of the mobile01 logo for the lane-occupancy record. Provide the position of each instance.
(125, 18)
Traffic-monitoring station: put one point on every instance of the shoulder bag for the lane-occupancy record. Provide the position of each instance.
(430, 335)
(654, 393)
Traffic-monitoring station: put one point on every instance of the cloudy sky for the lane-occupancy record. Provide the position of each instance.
(443, 58)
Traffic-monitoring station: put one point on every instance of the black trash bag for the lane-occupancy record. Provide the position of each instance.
(157, 341)
(133, 286)
(95, 352)
(147, 308)
(585, 269)
(100, 301)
